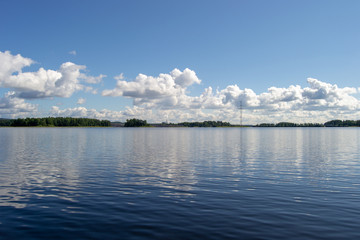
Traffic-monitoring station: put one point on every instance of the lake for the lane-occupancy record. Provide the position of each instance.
(179, 183)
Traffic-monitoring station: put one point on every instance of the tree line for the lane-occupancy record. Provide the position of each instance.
(5, 122)
(54, 122)
(143, 123)
(340, 123)
(205, 124)
(332, 123)
(88, 122)
(135, 123)
(290, 124)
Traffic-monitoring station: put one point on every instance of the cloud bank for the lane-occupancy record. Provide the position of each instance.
(43, 83)
(169, 92)
(12, 106)
(166, 97)
(164, 91)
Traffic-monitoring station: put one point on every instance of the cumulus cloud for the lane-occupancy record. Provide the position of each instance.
(151, 115)
(43, 83)
(81, 101)
(169, 91)
(165, 97)
(92, 79)
(11, 64)
(11, 106)
(185, 78)
(134, 112)
(119, 77)
(147, 89)
(321, 96)
(230, 114)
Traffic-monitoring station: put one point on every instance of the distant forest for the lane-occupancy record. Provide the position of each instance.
(143, 123)
(205, 124)
(88, 122)
(332, 123)
(290, 124)
(54, 122)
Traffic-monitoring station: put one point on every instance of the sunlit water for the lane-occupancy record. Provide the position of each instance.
(179, 183)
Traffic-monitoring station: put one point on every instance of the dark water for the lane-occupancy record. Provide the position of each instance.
(149, 183)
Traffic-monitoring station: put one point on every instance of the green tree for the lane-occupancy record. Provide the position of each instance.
(334, 123)
(60, 122)
(135, 123)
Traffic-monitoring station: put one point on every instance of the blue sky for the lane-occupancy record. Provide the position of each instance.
(284, 60)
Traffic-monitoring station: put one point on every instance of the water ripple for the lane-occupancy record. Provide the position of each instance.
(90, 183)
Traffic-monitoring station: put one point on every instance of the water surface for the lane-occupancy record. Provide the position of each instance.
(179, 183)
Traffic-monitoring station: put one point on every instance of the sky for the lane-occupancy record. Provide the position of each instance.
(176, 61)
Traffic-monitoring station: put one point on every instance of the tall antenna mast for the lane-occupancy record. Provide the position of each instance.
(241, 110)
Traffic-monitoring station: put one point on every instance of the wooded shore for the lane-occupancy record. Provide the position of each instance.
(89, 122)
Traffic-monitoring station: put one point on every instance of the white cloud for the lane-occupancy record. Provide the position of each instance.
(43, 83)
(229, 114)
(128, 113)
(185, 78)
(92, 79)
(169, 91)
(73, 52)
(146, 89)
(81, 101)
(12, 107)
(151, 115)
(165, 97)
(90, 90)
(323, 96)
(11, 64)
(119, 77)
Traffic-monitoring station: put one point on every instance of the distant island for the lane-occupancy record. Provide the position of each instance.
(332, 123)
(143, 123)
(89, 122)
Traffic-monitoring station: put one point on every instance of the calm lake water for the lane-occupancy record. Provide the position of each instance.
(179, 183)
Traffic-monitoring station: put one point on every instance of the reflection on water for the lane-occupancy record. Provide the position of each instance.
(38, 163)
(190, 183)
(160, 158)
